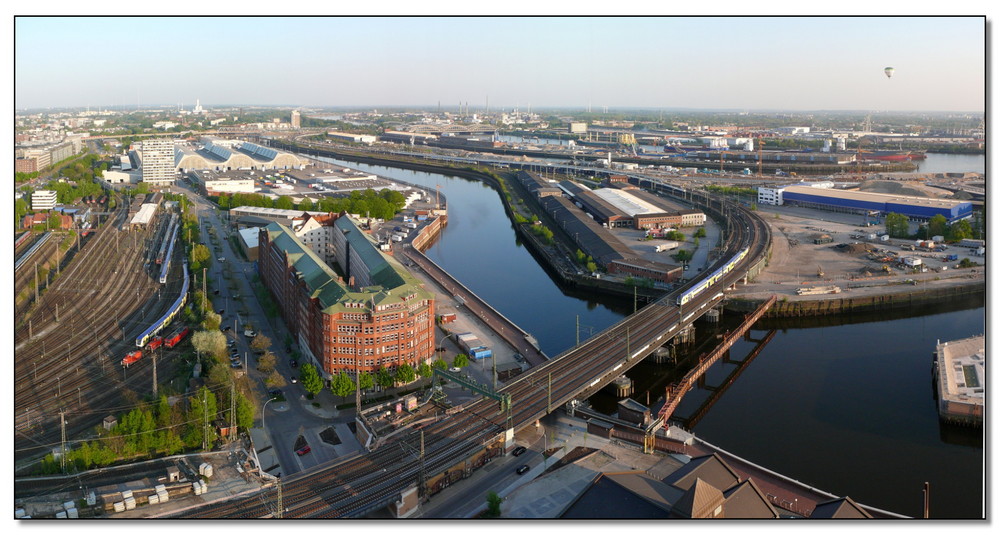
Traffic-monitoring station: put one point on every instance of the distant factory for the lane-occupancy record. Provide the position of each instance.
(825, 197)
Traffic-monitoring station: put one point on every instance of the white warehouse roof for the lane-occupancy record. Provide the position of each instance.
(627, 203)
(144, 215)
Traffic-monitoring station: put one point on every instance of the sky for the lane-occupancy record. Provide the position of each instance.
(741, 63)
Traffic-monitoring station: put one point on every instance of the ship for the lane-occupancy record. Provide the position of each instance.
(887, 155)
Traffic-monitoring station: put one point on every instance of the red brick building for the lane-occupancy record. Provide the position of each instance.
(367, 314)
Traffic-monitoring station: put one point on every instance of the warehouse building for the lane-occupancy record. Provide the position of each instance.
(538, 186)
(605, 248)
(211, 182)
(366, 314)
(229, 155)
(916, 208)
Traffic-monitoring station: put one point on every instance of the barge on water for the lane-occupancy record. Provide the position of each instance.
(960, 379)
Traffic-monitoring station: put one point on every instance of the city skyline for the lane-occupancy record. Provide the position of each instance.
(809, 63)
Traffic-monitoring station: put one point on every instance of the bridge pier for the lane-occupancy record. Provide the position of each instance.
(623, 387)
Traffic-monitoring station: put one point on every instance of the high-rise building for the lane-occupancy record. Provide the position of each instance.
(157, 161)
(296, 119)
(43, 200)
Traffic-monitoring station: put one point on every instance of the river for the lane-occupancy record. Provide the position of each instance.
(844, 406)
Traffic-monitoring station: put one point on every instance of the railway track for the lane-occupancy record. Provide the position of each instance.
(356, 486)
(105, 296)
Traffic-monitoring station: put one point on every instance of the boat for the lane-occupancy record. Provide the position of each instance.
(888, 155)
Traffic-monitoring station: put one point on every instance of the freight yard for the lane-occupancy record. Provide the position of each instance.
(70, 344)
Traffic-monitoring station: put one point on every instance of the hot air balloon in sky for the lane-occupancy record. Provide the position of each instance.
(889, 71)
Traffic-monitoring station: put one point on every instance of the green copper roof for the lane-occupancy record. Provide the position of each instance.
(392, 281)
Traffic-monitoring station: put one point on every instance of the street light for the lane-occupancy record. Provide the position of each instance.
(262, 426)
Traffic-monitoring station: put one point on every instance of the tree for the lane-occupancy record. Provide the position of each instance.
(202, 403)
(493, 501)
(212, 321)
(439, 364)
(266, 363)
(937, 225)
(20, 210)
(260, 343)
(959, 230)
(275, 380)
(700, 233)
(311, 381)
(284, 203)
(342, 385)
(306, 205)
(897, 225)
(366, 381)
(384, 378)
(199, 255)
(425, 370)
(461, 360)
(683, 256)
(245, 411)
(405, 374)
(210, 343)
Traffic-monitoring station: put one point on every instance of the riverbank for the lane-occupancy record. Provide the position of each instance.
(873, 293)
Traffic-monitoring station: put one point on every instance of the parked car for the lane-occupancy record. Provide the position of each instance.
(303, 450)
(293, 363)
(519, 450)
(522, 469)
(274, 392)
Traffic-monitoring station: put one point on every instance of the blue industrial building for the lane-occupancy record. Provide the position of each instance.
(916, 208)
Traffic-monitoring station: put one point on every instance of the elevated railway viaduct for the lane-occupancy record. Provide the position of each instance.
(423, 461)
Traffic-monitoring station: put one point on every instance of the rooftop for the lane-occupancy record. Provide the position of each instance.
(963, 366)
(874, 197)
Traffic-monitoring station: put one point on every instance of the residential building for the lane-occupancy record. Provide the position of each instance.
(43, 200)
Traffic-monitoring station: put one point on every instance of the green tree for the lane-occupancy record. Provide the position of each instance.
(960, 230)
(937, 225)
(199, 256)
(591, 267)
(245, 411)
(54, 221)
(311, 380)
(683, 256)
(405, 374)
(461, 360)
(425, 370)
(284, 203)
(493, 501)
(384, 378)
(439, 364)
(897, 225)
(366, 381)
(342, 385)
(200, 405)
(700, 233)
(20, 210)
(306, 205)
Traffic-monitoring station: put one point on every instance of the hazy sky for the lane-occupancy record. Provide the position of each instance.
(807, 63)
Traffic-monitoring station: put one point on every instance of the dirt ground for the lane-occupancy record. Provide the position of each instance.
(796, 261)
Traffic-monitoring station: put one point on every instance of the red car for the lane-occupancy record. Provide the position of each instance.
(303, 450)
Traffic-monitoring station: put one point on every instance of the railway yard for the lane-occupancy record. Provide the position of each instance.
(69, 345)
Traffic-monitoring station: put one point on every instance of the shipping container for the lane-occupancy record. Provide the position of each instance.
(481, 352)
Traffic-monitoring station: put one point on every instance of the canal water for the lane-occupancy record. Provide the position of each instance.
(844, 405)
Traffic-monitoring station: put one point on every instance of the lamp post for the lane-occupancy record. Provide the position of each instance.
(262, 425)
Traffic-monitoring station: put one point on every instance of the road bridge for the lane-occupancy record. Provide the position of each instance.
(454, 445)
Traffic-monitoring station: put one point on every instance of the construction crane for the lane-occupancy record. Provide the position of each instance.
(629, 141)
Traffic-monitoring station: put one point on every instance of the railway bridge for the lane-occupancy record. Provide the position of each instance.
(413, 466)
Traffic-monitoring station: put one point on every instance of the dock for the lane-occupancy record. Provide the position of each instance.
(960, 378)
